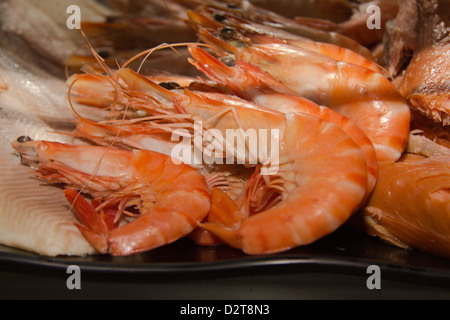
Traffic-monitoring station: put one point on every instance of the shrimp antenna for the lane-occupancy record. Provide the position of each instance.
(97, 57)
(115, 83)
(148, 52)
(97, 166)
(110, 77)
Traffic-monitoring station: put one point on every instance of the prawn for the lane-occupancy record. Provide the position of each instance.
(249, 11)
(315, 189)
(171, 199)
(155, 132)
(317, 193)
(145, 134)
(272, 34)
(362, 95)
(249, 82)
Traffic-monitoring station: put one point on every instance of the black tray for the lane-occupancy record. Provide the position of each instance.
(343, 256)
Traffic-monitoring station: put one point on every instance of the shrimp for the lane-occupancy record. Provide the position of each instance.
(143, 134)
(269, 196)
(249, 82)
(94, 90)
(272, 34)
(314, 190)
(125, 135)
(156, 132)
(171, 199)
(251, 12)
(150, 122)
(305, 179)
(365, 97)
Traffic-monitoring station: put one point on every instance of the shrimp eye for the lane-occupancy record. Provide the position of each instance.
(219, 17)
(232, 6)
(227, 33)
(23, 139)
(228, 61)
(169, 85)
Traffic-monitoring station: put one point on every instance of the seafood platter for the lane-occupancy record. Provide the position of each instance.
(226, 137)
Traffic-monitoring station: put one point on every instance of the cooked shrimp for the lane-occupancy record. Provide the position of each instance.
(249, 11)
(150, 123)
(171, 199)
(315, 189)
(249, 82)
(148, 134)
(365, 97)
(94, 90)
(125, 135)
(155, 133)
(265, 33)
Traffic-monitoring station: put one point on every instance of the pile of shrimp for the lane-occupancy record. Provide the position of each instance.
(339, 122)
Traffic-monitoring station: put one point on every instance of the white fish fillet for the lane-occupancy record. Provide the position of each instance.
(42, 24)
(34, 91)
(31, 90)
(33, 215)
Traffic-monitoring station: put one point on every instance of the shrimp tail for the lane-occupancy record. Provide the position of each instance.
(94, 228)
(223, 209)
(228, 235)
(219, 226)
